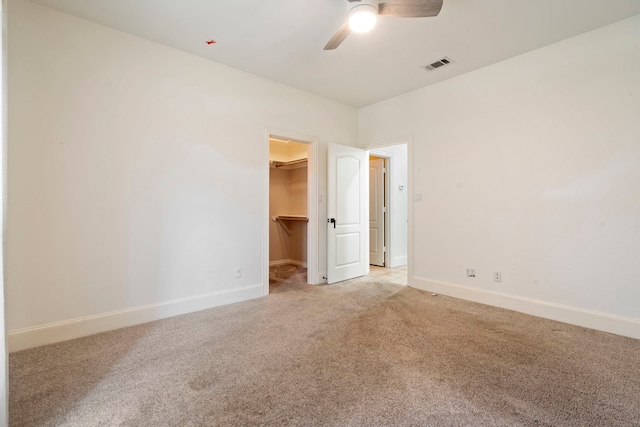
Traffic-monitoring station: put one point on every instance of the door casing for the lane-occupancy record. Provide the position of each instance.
(391, 164)
(377, 208)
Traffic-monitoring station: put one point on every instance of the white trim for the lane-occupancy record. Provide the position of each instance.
(619, 325)
(287, 261)
(4, 368)
(410, 190)
(22, 339)
(313, 226)
(265, 214)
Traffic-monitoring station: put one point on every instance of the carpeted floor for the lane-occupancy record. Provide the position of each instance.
(287, 277)
(359, 353)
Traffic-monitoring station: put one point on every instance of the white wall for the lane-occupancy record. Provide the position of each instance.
(135, 183)
(531, 167)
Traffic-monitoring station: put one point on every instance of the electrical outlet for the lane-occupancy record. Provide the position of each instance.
(471, 272)
(497, 277)
(238, 273)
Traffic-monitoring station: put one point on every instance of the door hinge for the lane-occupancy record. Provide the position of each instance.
(384, 209)
(384, 249)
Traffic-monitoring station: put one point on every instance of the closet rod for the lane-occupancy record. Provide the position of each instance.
(291, 163)
(291, 218)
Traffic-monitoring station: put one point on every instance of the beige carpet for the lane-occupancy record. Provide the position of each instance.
(353, 354)
(287, 277)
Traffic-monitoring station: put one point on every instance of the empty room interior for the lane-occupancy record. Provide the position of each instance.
(257, 213)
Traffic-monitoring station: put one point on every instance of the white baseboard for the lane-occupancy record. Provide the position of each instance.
(398, 261)
(287, 261)
(75, 328)
(605, 322)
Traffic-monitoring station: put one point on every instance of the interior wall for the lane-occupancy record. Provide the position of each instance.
(298, 190)
(279, 202)
(530, 167)
(135, 185)
(287, 196)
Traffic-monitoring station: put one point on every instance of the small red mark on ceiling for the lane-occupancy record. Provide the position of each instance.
(210, 41)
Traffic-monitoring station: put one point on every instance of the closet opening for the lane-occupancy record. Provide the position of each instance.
(288, 214)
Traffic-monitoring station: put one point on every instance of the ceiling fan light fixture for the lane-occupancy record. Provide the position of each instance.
(362, 15)
(362, 18)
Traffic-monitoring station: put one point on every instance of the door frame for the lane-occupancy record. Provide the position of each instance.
(4, 380)
(313, 253)
(378, 149)
(387, 202)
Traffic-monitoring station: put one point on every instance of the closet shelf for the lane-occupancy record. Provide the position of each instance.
(291, 218)
(293, 164)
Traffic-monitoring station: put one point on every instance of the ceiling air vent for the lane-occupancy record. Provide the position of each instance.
(440, 63)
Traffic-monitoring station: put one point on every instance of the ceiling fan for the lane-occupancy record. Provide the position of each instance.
(362, 15)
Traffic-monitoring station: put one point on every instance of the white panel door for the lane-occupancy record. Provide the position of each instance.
(376, 212)
(346, 209)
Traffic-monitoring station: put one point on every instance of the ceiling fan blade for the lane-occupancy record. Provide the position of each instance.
(338, 37)
(410, 8)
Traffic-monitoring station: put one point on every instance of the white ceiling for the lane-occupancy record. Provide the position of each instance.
(282, 40)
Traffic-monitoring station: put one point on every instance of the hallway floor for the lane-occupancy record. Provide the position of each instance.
(289, 277)
(397, 275)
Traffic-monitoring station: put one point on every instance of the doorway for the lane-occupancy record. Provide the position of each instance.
(398, 246)
(388, 208)
(290, 209)
(288, 213)
(378, 216)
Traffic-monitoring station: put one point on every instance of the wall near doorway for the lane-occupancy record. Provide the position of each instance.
(530, 171)
(136, 178)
